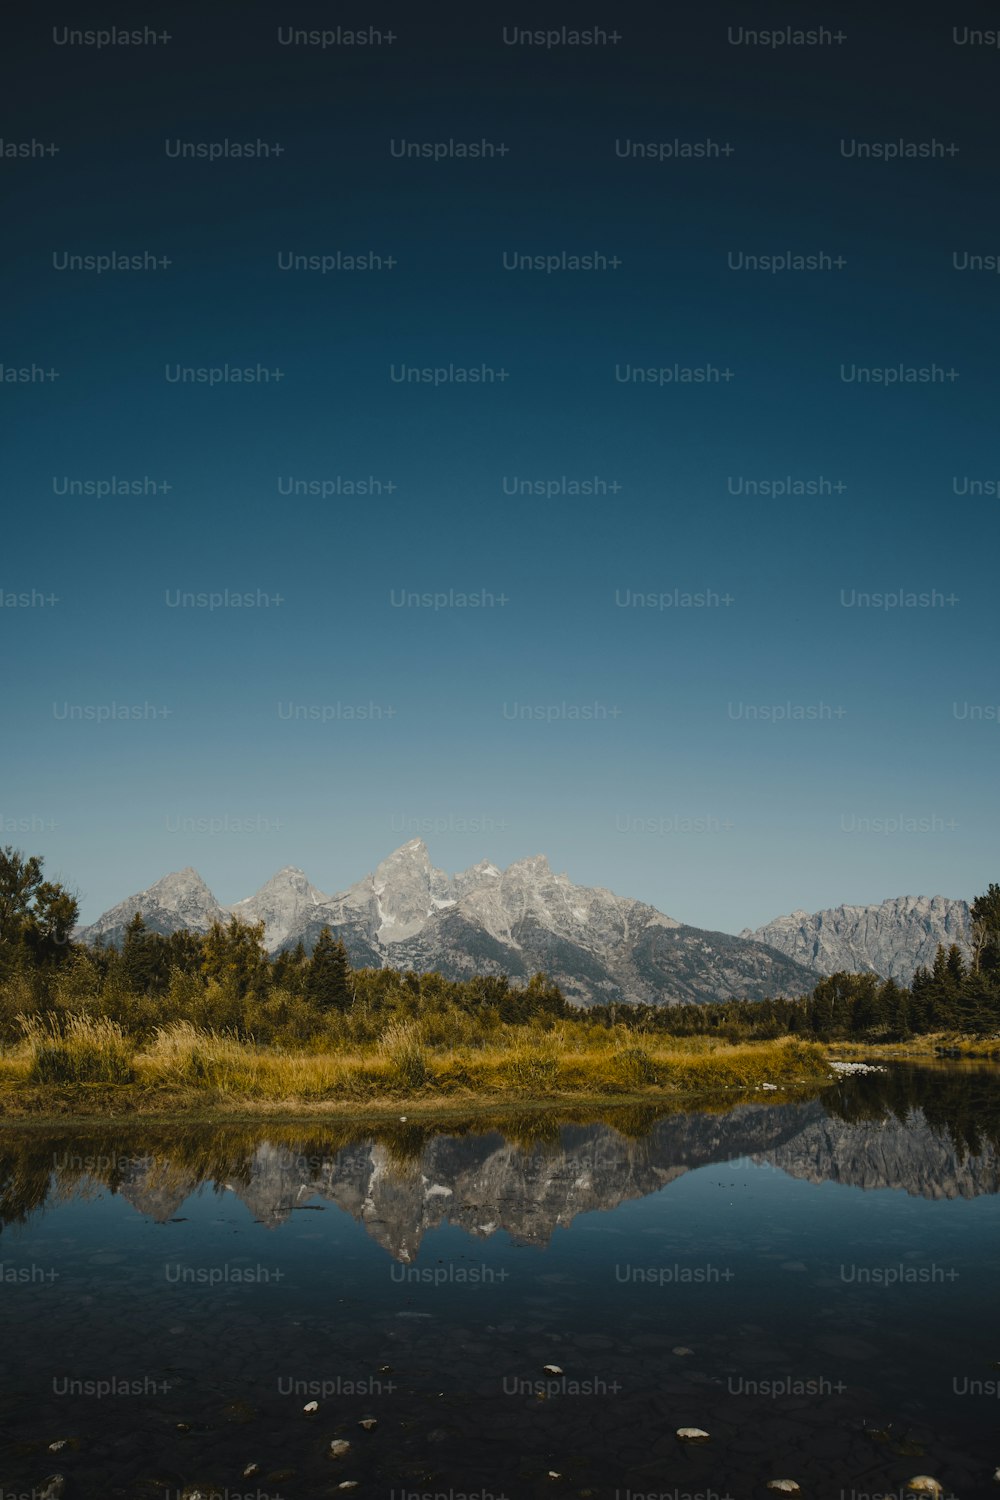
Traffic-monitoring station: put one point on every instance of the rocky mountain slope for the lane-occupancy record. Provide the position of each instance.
(890, 939)
(597, 946)
(178, 900)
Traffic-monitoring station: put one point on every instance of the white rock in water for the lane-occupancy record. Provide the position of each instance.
(339, 1447)
(784, 1486)
(772, 1086)
(368, 1423)
(311, 1406)
(923, 1484)
(53, 1487)
(552, 1369)
(58, 1445)
(692, 1434)
(251, 1470)
(348, 1484)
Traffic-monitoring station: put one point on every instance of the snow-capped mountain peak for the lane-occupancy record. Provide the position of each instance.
(527, 918)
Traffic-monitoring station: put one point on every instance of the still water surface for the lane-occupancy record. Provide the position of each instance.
(813, 1282)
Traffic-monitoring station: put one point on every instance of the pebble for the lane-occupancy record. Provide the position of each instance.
(311, 1406)
(53, 1489)
(368, 1423)
(251, 1470)
(339, 1447)
(58, 1445)
(784, 1486)
(692, 1434)
(552, 1369)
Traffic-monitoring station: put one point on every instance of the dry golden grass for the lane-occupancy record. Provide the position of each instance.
(517, 1061)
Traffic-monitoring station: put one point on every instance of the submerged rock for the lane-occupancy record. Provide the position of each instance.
(338, 1447)
(692, 1434)
(53, 1488)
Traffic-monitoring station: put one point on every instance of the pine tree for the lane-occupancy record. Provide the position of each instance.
(328, 978)
(985, 916)
(289, 969)
(37, 916)
(234, 956)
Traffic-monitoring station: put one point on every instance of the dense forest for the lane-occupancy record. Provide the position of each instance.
(225, 980)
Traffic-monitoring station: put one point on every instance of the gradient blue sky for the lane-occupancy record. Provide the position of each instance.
(106, 802)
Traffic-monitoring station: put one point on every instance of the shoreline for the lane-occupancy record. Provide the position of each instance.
(195, 1108)
(703, 1081)
(936, 1047)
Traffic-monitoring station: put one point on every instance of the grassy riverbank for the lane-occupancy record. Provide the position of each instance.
(92, 1067)
(940, 1045)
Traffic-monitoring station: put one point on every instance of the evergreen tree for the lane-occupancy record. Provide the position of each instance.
(37, 916)
(328, 977)
(289, 968)
(234, 956)
(985, 916)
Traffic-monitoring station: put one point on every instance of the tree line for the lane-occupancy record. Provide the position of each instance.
(225, 979)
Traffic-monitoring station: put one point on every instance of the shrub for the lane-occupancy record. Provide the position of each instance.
(80, 1049)
(634, 1067)
(407, 1061)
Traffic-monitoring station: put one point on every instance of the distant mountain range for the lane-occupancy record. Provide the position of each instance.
(890, 939)
(597, 946)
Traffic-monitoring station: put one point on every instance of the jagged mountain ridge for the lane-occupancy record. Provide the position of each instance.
(598, 947)
(179, 900)
(890, 938)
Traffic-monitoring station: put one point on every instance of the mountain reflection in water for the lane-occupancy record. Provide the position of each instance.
(931, 1133)
(809, 1277)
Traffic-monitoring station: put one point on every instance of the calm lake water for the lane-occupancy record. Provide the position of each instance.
(812, 1281)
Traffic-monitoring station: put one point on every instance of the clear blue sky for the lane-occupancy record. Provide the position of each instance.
(113, 805)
